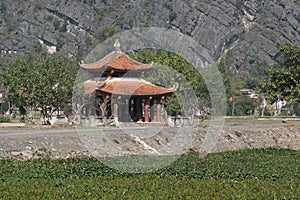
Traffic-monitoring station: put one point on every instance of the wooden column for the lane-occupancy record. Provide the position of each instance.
(103, 109)
(146, 110)
(127, 110)
(104, 101)
(158, 107)
(116, 111)
(116, 107)
(139, 109)
(133, 109)
(152, 109)
(97, 107)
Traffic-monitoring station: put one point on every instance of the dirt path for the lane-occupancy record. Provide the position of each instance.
(68, 142)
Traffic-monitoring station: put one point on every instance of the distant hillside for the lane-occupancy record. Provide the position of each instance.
(247, 30)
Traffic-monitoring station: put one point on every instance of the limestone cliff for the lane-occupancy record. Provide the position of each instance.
(250, 30)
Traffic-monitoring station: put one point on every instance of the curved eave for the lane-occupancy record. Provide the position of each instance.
(133, 87)
(118, 61)
(90, 86)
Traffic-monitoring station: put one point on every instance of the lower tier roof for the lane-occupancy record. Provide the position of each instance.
(127, 86)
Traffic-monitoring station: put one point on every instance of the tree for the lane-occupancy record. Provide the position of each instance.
(284, 81)
(171, 69)
(40, 81)
(81, 99)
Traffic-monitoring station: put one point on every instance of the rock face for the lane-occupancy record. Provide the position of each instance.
(250, 30)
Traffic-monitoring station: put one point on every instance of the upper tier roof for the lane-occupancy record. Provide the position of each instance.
(118, 61)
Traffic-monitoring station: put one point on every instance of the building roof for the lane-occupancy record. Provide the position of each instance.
(90, 86)
(133, 87)
(128, 87)
(116, 60)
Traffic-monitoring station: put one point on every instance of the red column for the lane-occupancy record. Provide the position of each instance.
(152, 109)
(139, 111)
(146, 110)
(158, 107)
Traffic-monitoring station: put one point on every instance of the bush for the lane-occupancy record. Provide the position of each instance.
(4, 119)
(56, 24)
(243, 106)
(4, 107)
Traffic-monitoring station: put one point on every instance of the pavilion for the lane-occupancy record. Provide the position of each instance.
(120, 91)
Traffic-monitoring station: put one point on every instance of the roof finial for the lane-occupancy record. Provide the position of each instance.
(117, 44)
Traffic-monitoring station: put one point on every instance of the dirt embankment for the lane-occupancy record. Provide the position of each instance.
(66, 143)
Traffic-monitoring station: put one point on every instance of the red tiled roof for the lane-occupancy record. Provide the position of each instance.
(116, 60)
(132, 87)
(90, 86)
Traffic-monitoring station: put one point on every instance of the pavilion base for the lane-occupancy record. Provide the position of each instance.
(142, 124)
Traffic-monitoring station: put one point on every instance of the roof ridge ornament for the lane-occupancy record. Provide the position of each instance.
(117, 44)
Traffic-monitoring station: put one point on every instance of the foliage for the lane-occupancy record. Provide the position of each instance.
(56, 24)
(60, 44)
(284, 81)
(81, 99)
(263, 164)
(4, 107)
(38, 5)
(63, 28)
(243, 105)
(144, 19)
(254, 174)
(171, 69)
(105, 32)
(235, 79)
(172, 16)
(4, 119)
(11, 24)
(222, 66)
(252, 58)
(40, 81)
(294, 108)
(3, 8)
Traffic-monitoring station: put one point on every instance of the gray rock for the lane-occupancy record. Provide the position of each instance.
(26, 155)
(15, 153)
(250, 27)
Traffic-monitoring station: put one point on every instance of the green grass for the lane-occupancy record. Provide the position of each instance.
(247, 174)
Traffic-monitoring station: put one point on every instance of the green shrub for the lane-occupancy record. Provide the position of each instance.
(3, 8)
(63, 28)
(172, 16)
(11, 24)
(56, 24)
(4, 119)
(245, 174)
(4, 106)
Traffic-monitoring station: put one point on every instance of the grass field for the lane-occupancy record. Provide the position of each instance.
(247, 174)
